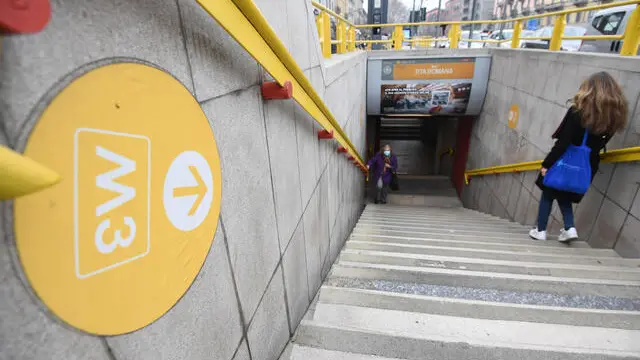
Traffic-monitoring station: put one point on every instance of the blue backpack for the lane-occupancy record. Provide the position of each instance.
(572, 172)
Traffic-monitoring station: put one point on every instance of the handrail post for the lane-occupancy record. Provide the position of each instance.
(558, 31)
(398, 38)
(341, 34)
(324, 32)
(631, 39)
(454, 36)
(352, 38)
(517, 30)
(369, 46)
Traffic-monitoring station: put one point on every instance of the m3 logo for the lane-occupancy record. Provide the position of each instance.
(111, 183)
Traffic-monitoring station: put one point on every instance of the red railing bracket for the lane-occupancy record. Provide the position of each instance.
(24, 16)
(351, 157)
(342, 149)
(324, 134)
(271, 90)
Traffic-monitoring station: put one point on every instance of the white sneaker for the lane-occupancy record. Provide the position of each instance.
(568, 235)
(538, 235)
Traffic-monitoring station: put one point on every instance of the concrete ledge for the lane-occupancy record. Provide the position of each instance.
(474, 309)
(338, 65)
(381, 54)
(596, 60)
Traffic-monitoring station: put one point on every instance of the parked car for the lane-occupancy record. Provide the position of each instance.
(464, 40)
(507, 35)
(612, 21)
(547, 32)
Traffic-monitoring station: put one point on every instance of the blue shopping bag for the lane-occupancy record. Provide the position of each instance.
(572, 172)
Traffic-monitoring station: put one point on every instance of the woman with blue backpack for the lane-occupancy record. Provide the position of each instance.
(598, 111)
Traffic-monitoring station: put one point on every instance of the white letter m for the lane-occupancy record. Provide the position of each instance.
(107, 180)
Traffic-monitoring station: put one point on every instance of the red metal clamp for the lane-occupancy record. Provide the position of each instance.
(24, 16)
(273, 91)
(342, 149)
(351, 157)
(324, 134)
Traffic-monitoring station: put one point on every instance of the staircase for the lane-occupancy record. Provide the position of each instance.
(448, 283)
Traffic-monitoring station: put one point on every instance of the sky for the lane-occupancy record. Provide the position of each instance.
(429, 4)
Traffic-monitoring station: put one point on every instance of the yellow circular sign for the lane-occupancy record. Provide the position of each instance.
(114, 246)
(514, 114)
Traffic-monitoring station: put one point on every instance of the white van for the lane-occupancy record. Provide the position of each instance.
(612, 21)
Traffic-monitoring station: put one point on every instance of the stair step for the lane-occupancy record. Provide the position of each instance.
(453, 236)
(490, 295)
(416, 239)
(440, 201)
(299, 352)
(528, 256)
(491, 280)
(478, 243)
(425, 211)
(416, 213)
(462, 214)
(480, 309)
(445, 229)
(409, 335)
(502, 266)
(431, 222)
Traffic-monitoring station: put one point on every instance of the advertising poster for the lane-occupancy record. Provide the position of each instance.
(435, 86)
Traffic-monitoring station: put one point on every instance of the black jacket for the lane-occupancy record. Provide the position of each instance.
(571, 132)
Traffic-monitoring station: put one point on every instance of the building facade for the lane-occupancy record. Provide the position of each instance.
(505, 9)
(482, 10)
(355, 12)
(331, 4)
(452, 11)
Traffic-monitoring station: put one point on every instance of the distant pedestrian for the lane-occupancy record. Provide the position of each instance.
(598, 111)
(383, 165)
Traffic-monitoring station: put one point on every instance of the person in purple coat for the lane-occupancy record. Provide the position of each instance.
(383, 164)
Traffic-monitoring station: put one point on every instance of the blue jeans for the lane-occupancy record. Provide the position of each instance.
(546, 201)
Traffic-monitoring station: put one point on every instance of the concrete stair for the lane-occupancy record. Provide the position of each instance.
(448, 283)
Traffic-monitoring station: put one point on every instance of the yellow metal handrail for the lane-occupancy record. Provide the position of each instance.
(21, 176)
(631, 37)
(613, 156)
(331, 12)
(246, 24)
(345, 31)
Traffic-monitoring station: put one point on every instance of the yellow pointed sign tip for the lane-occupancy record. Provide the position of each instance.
(22, 176)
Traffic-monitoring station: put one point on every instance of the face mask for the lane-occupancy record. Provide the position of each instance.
(387, 153)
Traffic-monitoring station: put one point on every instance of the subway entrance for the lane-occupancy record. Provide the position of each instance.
(423, 108)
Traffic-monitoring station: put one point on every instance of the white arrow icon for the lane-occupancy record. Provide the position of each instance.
(188, 191)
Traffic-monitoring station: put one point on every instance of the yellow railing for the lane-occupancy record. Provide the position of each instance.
(21, 175)
(613, 156)
(245, 23)
(630, 38)
(345, 32)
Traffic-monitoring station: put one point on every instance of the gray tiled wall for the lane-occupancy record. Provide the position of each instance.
(540, 82)
(288, 202)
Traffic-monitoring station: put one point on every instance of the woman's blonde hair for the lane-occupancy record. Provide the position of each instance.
(602, 105)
